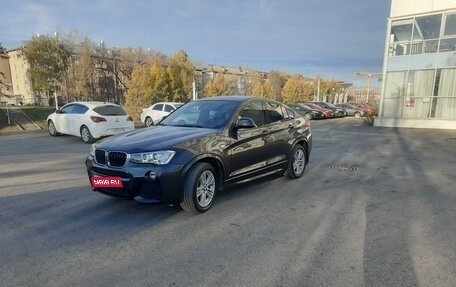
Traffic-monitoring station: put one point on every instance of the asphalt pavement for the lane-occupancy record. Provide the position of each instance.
(374, 208)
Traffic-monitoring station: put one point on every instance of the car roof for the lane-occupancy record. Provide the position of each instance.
(231, 98)
(169, 103)
(93, 104)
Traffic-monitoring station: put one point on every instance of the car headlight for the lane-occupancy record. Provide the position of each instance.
(93, 147)
(155, 157)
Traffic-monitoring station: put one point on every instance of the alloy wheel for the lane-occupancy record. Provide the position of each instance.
(299, 161)
(205, 188)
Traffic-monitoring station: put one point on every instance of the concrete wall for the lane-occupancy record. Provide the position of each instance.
(410, 7)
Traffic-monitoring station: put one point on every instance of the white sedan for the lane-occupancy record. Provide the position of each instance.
(154, 113)
(89, 120)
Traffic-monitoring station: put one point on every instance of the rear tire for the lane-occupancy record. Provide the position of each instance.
(86, 136)
(199, 189)
(308, 116)
(297, 162)
(51, 129)
(149, 122)
(357, 114)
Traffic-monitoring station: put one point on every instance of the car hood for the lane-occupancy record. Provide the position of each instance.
(154, 138)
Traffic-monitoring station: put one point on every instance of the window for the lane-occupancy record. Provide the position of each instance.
(426, 34)
(254, 111)
(68, 109)
(274, 111)
(213, 114)
(291, 113)
(168, 108)
(450, 25)
(80, 109)
(448, 43)
(158, 107)
(110, 111)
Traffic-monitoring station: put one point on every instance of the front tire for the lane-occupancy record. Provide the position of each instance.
(297, 162)
(308, 116)
(86, 136)
(199, 188)
(149, 122)
(51, 129)
(357, 114)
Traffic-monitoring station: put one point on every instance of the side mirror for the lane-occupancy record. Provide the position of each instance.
(245, 123)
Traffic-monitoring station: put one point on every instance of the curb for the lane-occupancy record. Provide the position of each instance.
(22, 132)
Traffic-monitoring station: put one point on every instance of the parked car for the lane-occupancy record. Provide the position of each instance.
(154, 113)
(338, 112)
(307, 112)
(89, 120)
(368, 111)
(352, 110)
(327, 113)
(202, 147)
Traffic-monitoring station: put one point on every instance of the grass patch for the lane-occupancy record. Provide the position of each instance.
(38, 114)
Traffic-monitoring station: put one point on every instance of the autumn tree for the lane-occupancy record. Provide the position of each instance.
(82, 72)
(297, 89)
(180, 73)
(139, 92)
(48, 58)
(261, 87)
(218, 86)
(277, 81)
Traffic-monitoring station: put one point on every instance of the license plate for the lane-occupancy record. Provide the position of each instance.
(106, 181)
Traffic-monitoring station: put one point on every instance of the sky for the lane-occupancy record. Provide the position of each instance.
(332, 38)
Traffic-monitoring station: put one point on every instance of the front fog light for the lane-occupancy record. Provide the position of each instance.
(152, 175)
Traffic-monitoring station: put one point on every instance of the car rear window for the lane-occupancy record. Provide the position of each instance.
(110, 111)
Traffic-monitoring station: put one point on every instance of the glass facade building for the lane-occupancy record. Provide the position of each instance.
(419, 72)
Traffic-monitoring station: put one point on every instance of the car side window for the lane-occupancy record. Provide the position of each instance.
(290, 112)
(254, 110)
(79, 109)
(68, 109)
(274, 112)
(158, 107)
(168, 108)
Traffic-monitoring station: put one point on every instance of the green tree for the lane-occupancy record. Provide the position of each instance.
(48, 58)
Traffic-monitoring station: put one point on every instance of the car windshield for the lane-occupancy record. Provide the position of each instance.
(331, 105)
(212, 114)
(110, 110)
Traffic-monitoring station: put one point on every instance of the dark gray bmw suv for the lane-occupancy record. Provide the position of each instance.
(200, 148)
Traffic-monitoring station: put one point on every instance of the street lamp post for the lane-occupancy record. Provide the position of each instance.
(318, 78)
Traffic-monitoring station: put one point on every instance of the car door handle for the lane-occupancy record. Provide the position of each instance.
(265, 132)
